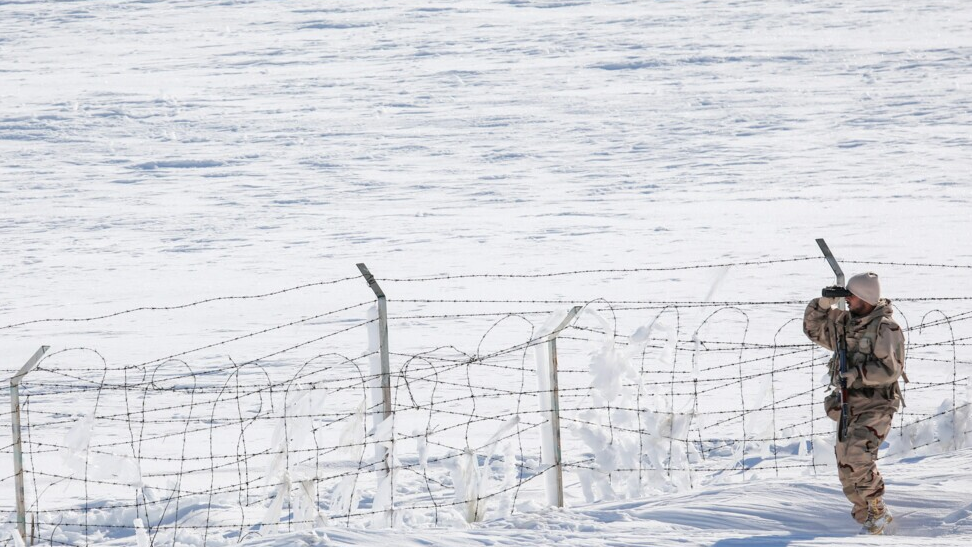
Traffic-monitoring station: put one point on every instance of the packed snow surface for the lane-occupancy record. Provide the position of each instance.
(154, 154)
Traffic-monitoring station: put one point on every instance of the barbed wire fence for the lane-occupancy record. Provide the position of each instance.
(650, 396)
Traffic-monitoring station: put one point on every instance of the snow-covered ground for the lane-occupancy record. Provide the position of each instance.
(157, 153)
(934, 511)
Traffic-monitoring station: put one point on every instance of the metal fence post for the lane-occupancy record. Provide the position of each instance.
(555, 404)
(383, 454)
(841, 303)
(18, 454)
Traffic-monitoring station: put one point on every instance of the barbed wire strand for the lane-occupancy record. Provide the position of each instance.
(289, 437)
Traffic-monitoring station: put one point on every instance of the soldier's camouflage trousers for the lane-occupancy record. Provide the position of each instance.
(857, 457)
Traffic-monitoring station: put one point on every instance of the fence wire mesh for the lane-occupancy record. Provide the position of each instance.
(193, 446)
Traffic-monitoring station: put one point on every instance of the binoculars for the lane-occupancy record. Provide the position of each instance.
(835, 291)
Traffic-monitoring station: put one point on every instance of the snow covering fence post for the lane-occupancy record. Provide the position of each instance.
(385, 473)
(18, 454)
(558, 462)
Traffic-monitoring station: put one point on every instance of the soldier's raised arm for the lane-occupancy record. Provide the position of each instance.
(819, 322)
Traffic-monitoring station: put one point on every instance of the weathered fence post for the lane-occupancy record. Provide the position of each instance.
(18, 454)
(554, 408)
(385, 473)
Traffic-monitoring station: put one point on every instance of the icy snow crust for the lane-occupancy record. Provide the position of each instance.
(154, 154)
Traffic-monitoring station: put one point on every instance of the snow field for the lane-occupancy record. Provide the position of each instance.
(158, 153)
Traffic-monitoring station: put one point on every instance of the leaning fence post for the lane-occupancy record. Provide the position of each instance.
(841, 302)
(18, 454)
(554, 408)
(383, 455)
(841, 305)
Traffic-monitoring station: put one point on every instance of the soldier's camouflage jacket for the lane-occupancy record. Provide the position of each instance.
(875, 355)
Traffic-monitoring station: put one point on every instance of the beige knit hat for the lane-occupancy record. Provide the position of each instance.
(866, 287)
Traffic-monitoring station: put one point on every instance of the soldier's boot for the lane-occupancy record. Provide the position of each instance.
(878, 517)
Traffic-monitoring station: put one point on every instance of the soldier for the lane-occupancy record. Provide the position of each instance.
(875, 360)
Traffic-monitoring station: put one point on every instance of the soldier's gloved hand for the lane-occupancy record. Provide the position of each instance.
(825, 302)
(850, 375)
